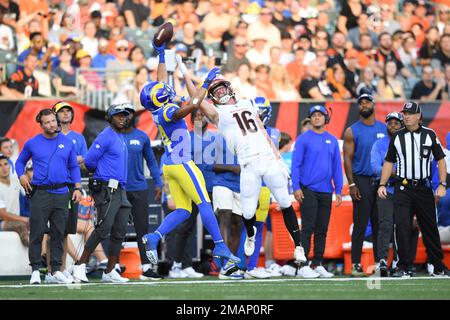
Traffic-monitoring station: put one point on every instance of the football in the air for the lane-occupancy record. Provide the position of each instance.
(164, 34)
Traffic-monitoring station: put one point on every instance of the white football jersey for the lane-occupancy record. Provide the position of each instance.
(237, 124)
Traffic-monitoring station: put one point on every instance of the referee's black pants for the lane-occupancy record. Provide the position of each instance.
(363, 210)
(315, 211)
(139, 202)
(419, 200)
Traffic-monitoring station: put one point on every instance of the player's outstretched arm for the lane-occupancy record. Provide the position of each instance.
(161, 74)
(207, 109)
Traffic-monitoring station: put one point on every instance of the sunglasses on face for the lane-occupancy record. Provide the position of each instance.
(122, 49)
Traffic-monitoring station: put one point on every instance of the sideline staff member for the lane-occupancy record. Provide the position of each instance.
(107, 158)
(411, 148)
(55, 165)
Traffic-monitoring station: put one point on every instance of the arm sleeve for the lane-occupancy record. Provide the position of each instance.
(152, 164)
(297, 159)
(436, 147)
(95, 152)
(22, 160)
(391, 155)
(74, 168)
(376, 159)
(338, 176)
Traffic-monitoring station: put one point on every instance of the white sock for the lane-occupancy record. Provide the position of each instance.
(145, 267)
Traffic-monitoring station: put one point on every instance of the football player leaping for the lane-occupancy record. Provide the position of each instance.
(238, 122)
(186, 181)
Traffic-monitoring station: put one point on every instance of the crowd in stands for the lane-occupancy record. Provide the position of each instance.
(284, 50)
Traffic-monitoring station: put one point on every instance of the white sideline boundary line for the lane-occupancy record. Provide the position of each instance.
(171, 282)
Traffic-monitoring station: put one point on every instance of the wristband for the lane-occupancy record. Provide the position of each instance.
(75, 189)
(352, 185)
(162, 58)
(205, 85)
(381, 185)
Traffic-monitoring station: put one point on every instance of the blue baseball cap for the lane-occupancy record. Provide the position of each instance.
(116, 109)
(317, 108)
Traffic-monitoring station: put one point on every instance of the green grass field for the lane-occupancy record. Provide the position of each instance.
(210, 288)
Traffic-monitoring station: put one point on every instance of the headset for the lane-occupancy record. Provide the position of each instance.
(322, 110)
(116, 109)
(46, 112)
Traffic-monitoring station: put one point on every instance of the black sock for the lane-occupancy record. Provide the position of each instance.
(291, 223)
(249, 223)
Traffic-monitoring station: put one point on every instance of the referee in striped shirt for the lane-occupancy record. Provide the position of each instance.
(413, 149)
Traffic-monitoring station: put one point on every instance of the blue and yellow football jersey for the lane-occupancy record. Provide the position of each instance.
(174, 134)
(186, 181)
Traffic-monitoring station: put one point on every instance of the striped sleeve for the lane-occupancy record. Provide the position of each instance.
(391, 155)
(436, 147)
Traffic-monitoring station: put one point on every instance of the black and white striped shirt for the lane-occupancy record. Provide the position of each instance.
(412, 152)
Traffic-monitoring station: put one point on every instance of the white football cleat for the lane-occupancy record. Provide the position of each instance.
(114, 276)
(299, 254)
(307, 273)
(257, 273)
(249, 245)
(79, 273)
(323, 272)
(35, 277)
(191, 273)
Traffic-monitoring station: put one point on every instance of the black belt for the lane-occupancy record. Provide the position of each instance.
(414, 182)
(49, 186)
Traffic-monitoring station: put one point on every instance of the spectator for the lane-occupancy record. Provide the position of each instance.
(385, 53)
(365, 51)
(430, 46)
(240, 30)
(446, 92)
(90, 41)
(189, 40)
(336, 82)
(363, 27)
(304, 42)
(419, 35)
(65, 83)
(275, 56)
(408, 53)
(282, 85)
(296, 69)
(238, 57)
(442, 18)
(186, 13)
(321, 40)
(120, 70)
(242, 83)
(388, 22)
(136, 56)
(266, 28)
(215, 24)
(135, 11)
(7, 41)
(397, 39)
(442, 57)
(87, 78)
(11, 13)
(419, 16)
(259, 53)
(427, 89)
(102, 58)
(10, 219)
(286, 48)
(311, 87)
(26, 8)
(280, 19)
(348, 17)
(322, 58)
(22, 83)
(367, 83)
(23, 34)
(389, 87)
(6, 148)
(263, 83)
(108, 11)
(65, 30)
(102, 30)
(38, 49)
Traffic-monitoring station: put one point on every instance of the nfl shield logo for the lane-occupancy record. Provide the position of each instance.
(408, 105)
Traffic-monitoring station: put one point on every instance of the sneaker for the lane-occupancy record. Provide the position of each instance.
(441, 273)
(176, 272)
(299, 254)
(58, 277)
(113, 276)
(307, 273)
(357, 270)
(249, 245)
(150, 241)
(120, 268)
(150, 275)
(35, 277)
(323, 273)
(288, 270)
(257, 273)
(275, 270)
(79, 272)
(400, 274)
(235, 275)
(191, 273)
(222, 251)
(68, 276)
(228, 269)
(384, 270)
